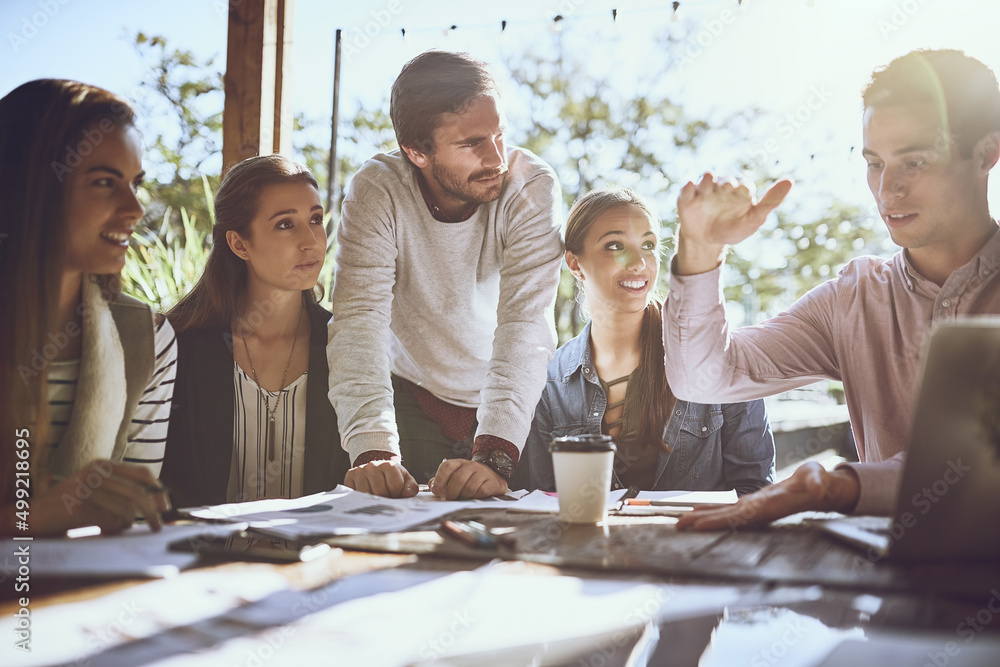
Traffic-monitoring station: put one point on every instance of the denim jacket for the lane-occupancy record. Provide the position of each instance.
(712, 447)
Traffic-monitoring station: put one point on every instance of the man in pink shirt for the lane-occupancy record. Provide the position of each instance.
(931, 135)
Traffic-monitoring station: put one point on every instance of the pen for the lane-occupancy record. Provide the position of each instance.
(465, 532)
(632, 492)
(639, 502)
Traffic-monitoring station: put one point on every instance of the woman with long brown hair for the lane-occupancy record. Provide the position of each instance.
(251, 416)
(610, 379)
(88, 372)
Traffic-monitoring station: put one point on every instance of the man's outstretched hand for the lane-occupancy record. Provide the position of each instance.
(810, 488)
(387, 478)
(459, 479)
(713, 215)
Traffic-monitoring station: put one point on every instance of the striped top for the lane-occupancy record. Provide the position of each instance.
(253, 476)
(147, 434)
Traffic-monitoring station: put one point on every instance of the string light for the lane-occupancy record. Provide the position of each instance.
(558, 21)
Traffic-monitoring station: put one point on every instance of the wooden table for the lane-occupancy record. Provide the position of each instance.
(877, 597)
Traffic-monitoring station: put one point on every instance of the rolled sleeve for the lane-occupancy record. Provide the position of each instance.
(879, 485)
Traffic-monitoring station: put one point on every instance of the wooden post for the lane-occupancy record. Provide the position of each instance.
(253, 122)
(332, 186)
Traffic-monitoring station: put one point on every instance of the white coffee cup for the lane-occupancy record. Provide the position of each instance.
(582, 465)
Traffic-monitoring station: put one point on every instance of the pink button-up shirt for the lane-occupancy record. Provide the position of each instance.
(866, 328)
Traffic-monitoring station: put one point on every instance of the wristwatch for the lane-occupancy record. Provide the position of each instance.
(496, 460)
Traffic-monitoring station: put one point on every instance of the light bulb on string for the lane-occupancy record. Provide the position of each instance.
(557, 25)
(676, 6)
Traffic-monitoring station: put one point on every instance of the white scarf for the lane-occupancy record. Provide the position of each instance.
(100, 388)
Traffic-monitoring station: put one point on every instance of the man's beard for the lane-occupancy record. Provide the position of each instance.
(469, 190)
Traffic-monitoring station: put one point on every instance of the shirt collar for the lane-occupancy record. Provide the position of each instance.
(989, 256)
(985, 264)
(436, 211)
(579, 356)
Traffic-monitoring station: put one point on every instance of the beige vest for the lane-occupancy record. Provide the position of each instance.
(134, 322)
(116, 365)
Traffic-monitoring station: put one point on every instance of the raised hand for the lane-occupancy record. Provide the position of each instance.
(713, 215)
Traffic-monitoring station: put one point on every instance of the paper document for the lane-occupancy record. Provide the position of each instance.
(342, 511)
(674, 503)
(72, 633)
(690, 497)
(466, 619)
(544, 501)
(138, 552)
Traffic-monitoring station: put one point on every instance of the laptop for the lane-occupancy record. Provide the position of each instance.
(949, 496)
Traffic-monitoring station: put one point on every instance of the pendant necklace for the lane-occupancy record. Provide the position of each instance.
(267, 403)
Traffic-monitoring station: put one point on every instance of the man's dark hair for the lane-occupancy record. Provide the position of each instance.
(433, 83)
(964, 89)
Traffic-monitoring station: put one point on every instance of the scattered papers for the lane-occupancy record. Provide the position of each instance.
(342, 511)
(502, 502)
(138, 552)
(467, 618)
(73, 632)
(543, 501)
(691, 497)
(674, 503)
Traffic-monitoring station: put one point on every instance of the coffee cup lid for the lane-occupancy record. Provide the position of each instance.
(587, 442)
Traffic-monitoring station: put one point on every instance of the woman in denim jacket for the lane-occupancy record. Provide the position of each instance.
(610, 378)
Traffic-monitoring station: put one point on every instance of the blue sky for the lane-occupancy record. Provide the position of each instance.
(787, 56)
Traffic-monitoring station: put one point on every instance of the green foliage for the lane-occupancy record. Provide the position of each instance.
(166, 262)
(185, 88)
(594, 129)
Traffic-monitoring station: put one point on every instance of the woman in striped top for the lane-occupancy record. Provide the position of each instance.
(88, 371)
(251, 416)
(610, 379)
